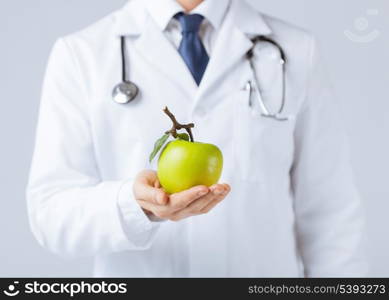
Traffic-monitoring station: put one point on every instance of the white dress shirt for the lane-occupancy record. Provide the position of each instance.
(163, 12)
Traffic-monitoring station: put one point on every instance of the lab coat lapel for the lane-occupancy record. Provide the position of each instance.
(155, 47)
(232, 44)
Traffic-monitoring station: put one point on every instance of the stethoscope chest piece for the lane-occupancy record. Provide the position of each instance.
(125, 92)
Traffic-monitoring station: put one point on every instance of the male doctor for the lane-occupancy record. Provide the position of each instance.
(290, 207)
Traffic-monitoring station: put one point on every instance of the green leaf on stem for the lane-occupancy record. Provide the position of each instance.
(158, 145)
(183, 136)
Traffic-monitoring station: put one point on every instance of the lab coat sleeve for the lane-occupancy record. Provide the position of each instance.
(73, 212)
(329, 216)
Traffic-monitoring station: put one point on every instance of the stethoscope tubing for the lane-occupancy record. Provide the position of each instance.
(257, 90)
(124, 59)
(129, 85)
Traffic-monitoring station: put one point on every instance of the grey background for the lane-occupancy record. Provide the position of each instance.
(358, 72)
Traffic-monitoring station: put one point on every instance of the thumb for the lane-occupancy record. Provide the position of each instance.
(145, 188)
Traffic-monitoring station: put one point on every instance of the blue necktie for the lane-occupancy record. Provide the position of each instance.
(191, 48)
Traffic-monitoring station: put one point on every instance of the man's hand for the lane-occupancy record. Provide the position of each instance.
(194, 201)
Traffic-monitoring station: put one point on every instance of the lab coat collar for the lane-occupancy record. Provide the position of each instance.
(130, 20)
(162, 11)
(241, 23)
(249, 20)
(162, 54)
(135, 22)
(233, 42)
(213, 11)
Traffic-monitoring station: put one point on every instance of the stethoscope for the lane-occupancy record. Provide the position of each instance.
(127, 91)
(254, 85)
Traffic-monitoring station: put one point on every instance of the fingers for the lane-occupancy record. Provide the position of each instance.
(147, 176)
(157, 184)
(219, 191)
(211, 205)
(194, 201)
(215, 192)
(204, 204)
(146, 188)
(177, 202)
(182, 199)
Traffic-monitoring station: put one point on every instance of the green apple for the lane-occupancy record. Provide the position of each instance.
(184, 164)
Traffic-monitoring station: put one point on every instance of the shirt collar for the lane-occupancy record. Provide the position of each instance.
(162, 11)
(213, 10)
(131, 19)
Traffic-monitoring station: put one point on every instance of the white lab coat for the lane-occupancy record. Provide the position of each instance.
(293, 210)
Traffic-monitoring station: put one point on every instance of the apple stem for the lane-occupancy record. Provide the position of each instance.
(178, 126)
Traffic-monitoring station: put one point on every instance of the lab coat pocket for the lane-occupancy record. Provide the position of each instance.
(244, 147)
(261, 145)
